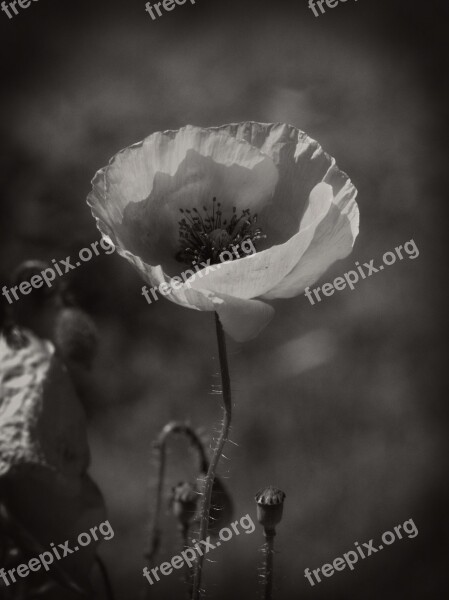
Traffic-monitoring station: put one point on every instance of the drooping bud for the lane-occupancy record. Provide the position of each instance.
(270, 506)
(184, 501)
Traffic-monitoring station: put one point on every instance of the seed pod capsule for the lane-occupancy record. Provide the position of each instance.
(270, 506)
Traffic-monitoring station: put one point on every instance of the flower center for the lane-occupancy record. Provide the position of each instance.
(203, 237)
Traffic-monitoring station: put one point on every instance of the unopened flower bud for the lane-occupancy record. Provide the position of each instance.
(270, 505)
(184, 501)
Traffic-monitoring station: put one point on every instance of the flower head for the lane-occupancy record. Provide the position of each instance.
(184, 197)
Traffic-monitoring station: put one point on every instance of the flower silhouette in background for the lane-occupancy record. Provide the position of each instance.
(46, 493)
(186, 196)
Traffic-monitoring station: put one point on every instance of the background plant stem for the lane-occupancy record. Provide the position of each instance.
(172, 428)
(160, 445)
(187, 570)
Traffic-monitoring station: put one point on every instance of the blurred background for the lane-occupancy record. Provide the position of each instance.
(339, 404)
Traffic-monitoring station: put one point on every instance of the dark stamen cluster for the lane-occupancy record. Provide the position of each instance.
(205, 236)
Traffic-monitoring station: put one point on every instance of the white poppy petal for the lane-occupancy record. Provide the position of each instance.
(131, 173)
(255, 275)
(140, 193)
(333, 240)
(242, 319)
(302, 164)
(155, 277)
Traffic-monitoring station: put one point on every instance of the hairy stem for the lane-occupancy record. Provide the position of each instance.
(268, 567)
(222, 439)
(160, 447)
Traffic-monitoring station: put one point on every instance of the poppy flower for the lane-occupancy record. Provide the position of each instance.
(180, 199)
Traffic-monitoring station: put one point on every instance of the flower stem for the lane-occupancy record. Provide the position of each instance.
(222, 439)
(160, 445)
(268, 567)
(155, 532)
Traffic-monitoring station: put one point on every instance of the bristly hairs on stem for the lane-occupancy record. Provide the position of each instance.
(210, 479)
(160, 449)
(268, 564)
